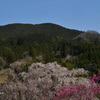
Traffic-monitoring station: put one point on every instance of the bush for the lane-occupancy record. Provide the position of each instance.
(77, 92)
(2, 63)
(23, 68)
(8, 54)
(95, 78)
(92, 67)
(68, 65)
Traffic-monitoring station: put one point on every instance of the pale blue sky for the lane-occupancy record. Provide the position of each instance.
(75, 14)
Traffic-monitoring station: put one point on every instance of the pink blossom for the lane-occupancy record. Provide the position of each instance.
(77, 92)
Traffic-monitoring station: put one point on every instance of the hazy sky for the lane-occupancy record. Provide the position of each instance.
(75, 14)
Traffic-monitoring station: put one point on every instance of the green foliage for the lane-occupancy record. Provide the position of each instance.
(32, 52)
(48, 43)
(2, 63)
(8, 54)
(68, 65)
(1, 79)
(39, 58)
(23, 68)
(48, 56)
(19, 30)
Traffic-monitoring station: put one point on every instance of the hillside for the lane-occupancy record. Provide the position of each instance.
(37, 60)
(89, 35)
(50, 42)
(41, 81)
(20, 30)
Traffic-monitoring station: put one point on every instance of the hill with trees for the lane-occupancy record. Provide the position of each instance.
(37, 60)
(49, 42)
(18, 30)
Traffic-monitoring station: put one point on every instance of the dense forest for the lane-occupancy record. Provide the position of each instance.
(50, 42)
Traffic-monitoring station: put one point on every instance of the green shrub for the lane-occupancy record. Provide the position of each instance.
(3, 63)
(23, 68)
(8, 54)
(68, 65)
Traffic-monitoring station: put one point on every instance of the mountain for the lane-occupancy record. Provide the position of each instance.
(30, 56)
(20, 30)
(49, 42)
(88, 35)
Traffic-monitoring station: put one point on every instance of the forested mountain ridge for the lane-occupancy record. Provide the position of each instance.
(20, 30)
(50, 42)
(47, 56)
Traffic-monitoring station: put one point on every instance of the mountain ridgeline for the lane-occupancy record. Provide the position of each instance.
(50, 42)
(20, 30)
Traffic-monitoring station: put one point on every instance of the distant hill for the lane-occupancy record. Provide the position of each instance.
(49, 42)
(88, 35)
(20, 30)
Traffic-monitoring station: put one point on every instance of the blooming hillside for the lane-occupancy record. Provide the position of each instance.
(41, 81)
